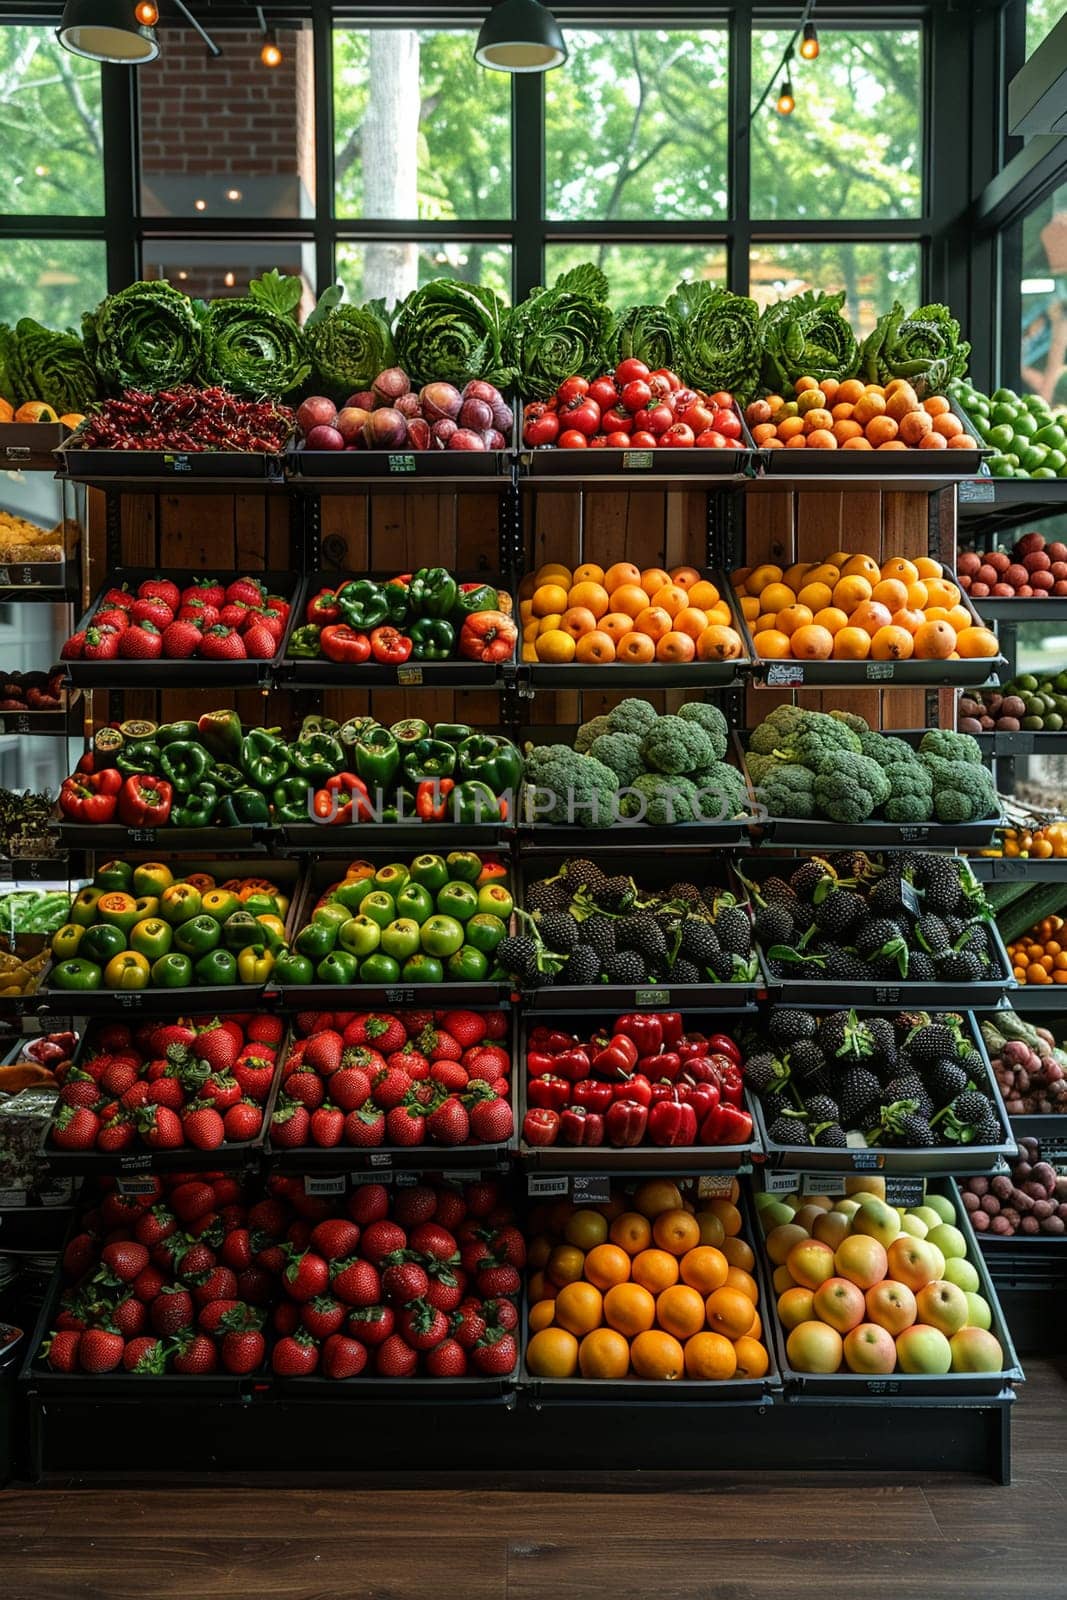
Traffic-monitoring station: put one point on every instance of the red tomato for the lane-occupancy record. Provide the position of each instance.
(572, 440)
(604, 392)
(618, 440)
(598, 443)
(583, 414)
(710, 440)
(698, 417)
(679, 437)
(723, 400)
(643, 441)
(572, 389)
(636, 394)
(627, 371)
(541, 430)
(682, 399)
(659, 386)
(659, 419)
(727, 422)
(616, 420)
(674, 382)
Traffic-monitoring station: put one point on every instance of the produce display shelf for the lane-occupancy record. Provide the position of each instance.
(1038, 997)
(1029, 1273)
(906, 476)
(985, 506)
(118, 840)
(920, 1385)
(635, 837)
(21, 439)
(214, 468)
(339, 469)
(103, 1164)
(64, 723)
(34, 869)
(1006, 869)
(1027, 742)
(659, 467)
(53, 581)
(144, 1002)
(997, 609)
(55, 592)
(945, 1160)
(386, 1159)
(319, 839)
(1050, 1131)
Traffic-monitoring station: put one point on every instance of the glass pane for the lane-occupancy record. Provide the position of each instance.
(216, 269)
(872, 276)
(1041, 17)
(54, 280)
(853, 146)
(1044, 298)
(226, 136)
(640, 274)
(636, 127)
(389, 270)
(53, 140)
(452, 159)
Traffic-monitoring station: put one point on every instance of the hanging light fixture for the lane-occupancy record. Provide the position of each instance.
(520, 36)
(786, 103)
(809, 44)
(109, 30)
(270, 53)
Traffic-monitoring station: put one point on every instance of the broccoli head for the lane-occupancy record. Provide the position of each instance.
(759, 767)
(852, 720)
(583, 739)
(675, 746)
(911, 792)
(722, 792)
(631, 716)
(849, 787)
(888, 751)
(622, 753)
(818, 737)
(963, 792)
(775, 729)
(788, 791)
(950, 746)
(711, 719)
(564, 787)
(661, 801)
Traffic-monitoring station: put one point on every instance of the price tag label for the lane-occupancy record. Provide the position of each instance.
(409, 677)
(142, 836)
(400, 997)
(381, 1158)
(131, 1185)
(539, 1184)
(637, 460)
(1054, 1151)
(590, 1190)
(910, 896)
(652, 997)
(914, 832)
(710, 1186)
(407, 1180)
(401, 463)
(129, 999)
(141, 1162)
(866, 1160)
(976, 492)
(784, 674)
(781, 1182)
(50, 1024)
(887, 997)
(878, 671)
(177, 464)
(1010, 867)
(325, 1183)
(358, 1178)
(883, 1386)
(822, 1183)
(17, 452)
(905, 1191)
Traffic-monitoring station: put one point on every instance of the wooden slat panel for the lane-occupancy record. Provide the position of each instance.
(197, 531)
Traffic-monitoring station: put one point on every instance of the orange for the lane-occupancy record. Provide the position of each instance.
(607, 1265)
(926, 566)
(541, 1315)
(738, 1278)
(595, 647)
(764, 623)
(616, 624)
(776, 596)
(791, 430)
(852, 644)
(891, 593)
(857, 443)
(892, 643)
(846, 428)
(703, 594)
(680, 1310)
(817, 420)
(937, 405)
(712, 1231)
(555, 646)
(918, 595)
(829, 387)
(850, 391)
(549, 624)
(675, 648)
(629, 597)
(948, 425)
(629, 1309)
(589, 572)
(830, 618)
(526, 612)
(653, 622)
(867, 408)
(553, 572)
(635, 648)
(676, 1231)
(576, 621)
(764, 432)
(704, 1268)
(656, 1195)
(671, 599)
(974, 643)
(654, 1270)
(631, 1230)
(719, 613)
(693, 621)
(911, 620)
(812, 644)
(850, 591)
(579, 1308)
(603, 1353)
(727, 1214)
(685, 577)
(590, 596)
(739, 1254)
(718, 643)
(842, 410)
(760, 577)
(565, 1264)
(821, 439)
(539, 1288)
(941, 592)
(538, 1251)
(870, 615)
(756, 1330)
(915, 426)
(959, 617)
(550, 597)
(906, 571)
(750, 607)
(657, 1355)
(935, 641)
(861, 566)
(729, 1312)
(552, 1353)
(710, 1357)
(815, 596)
(623, 572)
(792, 618)
(654, 579)
(827, 572)
(585, 1228)
(900, 400)
(752, 1358)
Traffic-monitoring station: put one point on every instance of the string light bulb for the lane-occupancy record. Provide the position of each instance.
(786, 103)
(809, 44)
(270, 54)
(147, 13)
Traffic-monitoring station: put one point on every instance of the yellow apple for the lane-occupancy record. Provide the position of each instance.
(949, 1240)
(878, 1221)
(975, 1350)
(962, 1273)
(870, 1348)
(781, 1240)
(892, 1306)
(864, 1183)
(814, 1347)
(921, 1348)
(794, 1307)
(810, 1263)
(913, 1225)
(943, 1306)
(979, 1314)
(941, 1203)
(839, 1303)
(914, 1262)
(862, 1260)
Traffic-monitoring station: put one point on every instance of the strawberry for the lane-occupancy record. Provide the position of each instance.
(414, 1205)
(322, 1316)
(415, 1021)
(273, 621)
(410, 1061)
(449, 1124)
(205, 590)
(371, 1324)
(439, 1045)
(466, 1027)
(496, 1354)
(148, 1284)
(322, 1052)
(494, 1281)
(491, 1121)
(160, 589)
(195, 1256)
(61, 1350)
(79, 1255)
(243, 1349)
(349, 1088)
(369, 1203)
(233, 616)
(246, 592)
(130, 1317)
(218, 1284)
(111, 617)
(306, 1086)
(327, 1126)
(389, 1086)
(451, 1075)
(122, 598)
(192, 1199)
(218, 1047)
(447, 1361)
(242, 1122)
(422, 1325)
(203, 1127)
(259, 642)
(430, 1239)
(100, 1350)
(404, 1281)
(295, 1356)
(220, 1090)
(446, 1290)
(74, 648)
(255, 1285)
(200, 615)
(166, 1091)
(221, 643)
(496, 1024)
(118, 1076)
(290, 1125)
(181, 640)
(365, 1127)
(101, 644)
(125, 1259)
(501, 1314)
(268, 1216)
(195, 1355)
(405, 1125)
(380, 1029)
(381, 1238)
(335, 1238)
(155, 611)
(254, 1074)
(395, 1358)
(236, 1249)
(160, 1128)
(285, 1318)
(343, 1357)
(487, 1061)
(355, 1282)
(79, 1089)
(508, 1245)
(74, 1128)
(154, 1225)
(265, 1029)
(117, 1133)
(306, 1274)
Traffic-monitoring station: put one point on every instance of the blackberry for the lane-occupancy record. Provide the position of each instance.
(617, 894)
(958, 966)
(974, 1108)
(944, 1081)
(764, 1072)
(721, 967)
(885, 899)
(583, 874)
(906, 1022)
(559, 931)
(643, 934)
(788, 1027)
(909, 1087)
(583, 966)
(517, 954)
(774, 925)
(599, 931)
(971, 1063)
(806, 1059)
(885, 1042)
(684, 891)
(915, 1132)
(832, 1137)
(776, 891)
(875, 933)
(852, 864)
(843, 966)
(839, 913)
(832, 1030)
(625, 966)
(775, 1105)
(921, 967)
(955, 926)
(848, 1040)
(808, 876)
(932, 1042)
(821, 1108)
(858, 1091)
(932, 934)
(734, 931)
(684, 972)
(940, 879)
(699, 941)
(789, 1128)
(547, 896)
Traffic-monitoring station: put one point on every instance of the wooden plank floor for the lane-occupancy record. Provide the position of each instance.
(689, 1538)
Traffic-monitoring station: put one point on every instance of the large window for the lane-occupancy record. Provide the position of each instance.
(1041, 17)
(1043, 294)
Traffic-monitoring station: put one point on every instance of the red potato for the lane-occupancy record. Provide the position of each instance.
(999, 560)
(1037, 561)
(986, 573)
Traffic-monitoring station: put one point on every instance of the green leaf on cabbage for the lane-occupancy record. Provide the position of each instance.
(49, 366)
(924, 348)
(562, 332)
(349, 346)
(253, 350)
(452, 332)
(719, 341)
(649, 334)
(146, 336)
(806, 337)
(7, 346)
(281, 292)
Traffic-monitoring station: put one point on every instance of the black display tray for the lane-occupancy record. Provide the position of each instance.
(336, 467)
(363, 837)
(61, 724)
(118, 840)
(876, 464)
(1051, 1134)
(36, 580)
(167, 674)
(119, 466)
(21, 442)
(638, 465)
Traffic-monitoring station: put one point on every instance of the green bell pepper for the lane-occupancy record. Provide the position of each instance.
(101, 943)
(316, 757)
(473, 803)
(304, 642)
(492, 759)
(151, 878)
(468, 965)
(452, 732)
(147, 906)
(224, 776)
(340, 966)
(216, 967)
(432, 873)
(151, 937)
(360, 936)
(474, 597)
(429, 759)
(380, 907)
(316, 939)
(462, 866)
(107, 743)
(264, 757)
(291, 967)
(362, 603)
(113, 875)
(432, 639)
(197, 810)
(271, 931)
(139, 755)
(313, 723)
(185, 765)
(180, 903)
(220, 734)
(255, 963)
(197, 936)
(177, 733)
(391, 877)
(379, 968)
(377, 758)
(398, 600)
(415, 902)
(410, 731)
(458, 899)
(352, 893)
(290, 799)
(239, 930)
(130, 970)
(65, 941)
(433, 592)
(352, 731)
(76, 974)
(241, 807)
(172, 971)
(423, 969)
(485, 931)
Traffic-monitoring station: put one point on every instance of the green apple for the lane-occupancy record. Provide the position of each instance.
(877, 1220)
(943, 1306)
(926, 1214)
(975, 1350)
(943, 1206)
(774, 1215)
(978, 1313)
(921, 1348)
(949, 1240)
(849, 1207)
(913, 1225)
(764, 1198)
(962, 1273)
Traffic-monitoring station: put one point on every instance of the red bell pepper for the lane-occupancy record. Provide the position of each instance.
(671, 1027)
(664, 1067)
(720, 1044)
(344, 799)
(701, 1070)
(703, 1097)
(672, 1122)
(636, 1088)
(577, 1126)
(572, 1064)
(626, 1122)
(540, 1126)
(539, 1064)
(731, 1083)
(339, 642)
(664, 1091)
(691, 1044)
(431, 799)
(726, 1125)
(548, 1092)
(323, 608)
(616, 1058)
(592, 1093)
(144, 801)
(550, 1040)
(644, 1028)
(488, 636)
(389, 646)
(91, 797)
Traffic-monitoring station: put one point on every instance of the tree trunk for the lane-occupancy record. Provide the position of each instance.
(390, 159)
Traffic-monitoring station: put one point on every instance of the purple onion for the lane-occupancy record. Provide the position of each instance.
(503, 417)
(323, 437)
(466, 439)
(443, 432)
(365, 399)
(408, 406)
(389, 385)
(479, 389)
(440, 400)
(419, 434)
(385, 429)
(494, 439)
(476, 415)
